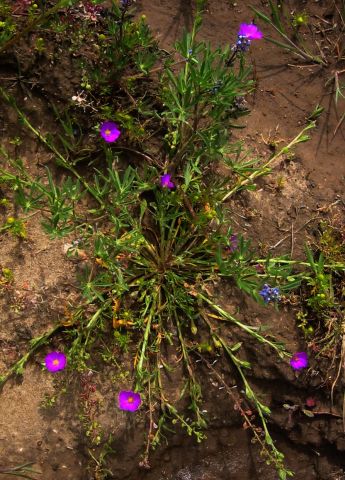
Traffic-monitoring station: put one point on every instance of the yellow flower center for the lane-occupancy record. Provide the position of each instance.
(130, 399)
(107, 132)
(55, 362)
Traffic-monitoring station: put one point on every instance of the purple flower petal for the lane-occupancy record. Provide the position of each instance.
(233, 244)
(299, 360)
(166, 181)
(110, 131)
(250, 31)
(55, 361)
(129, 400)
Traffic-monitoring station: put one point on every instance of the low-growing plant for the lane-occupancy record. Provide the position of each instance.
(154, 236)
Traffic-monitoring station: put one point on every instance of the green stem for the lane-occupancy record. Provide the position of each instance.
(184, 349)
(36, 343)
(301, 137)
(262, 409)
(293, 46)
(147, 334)
(332, 266)
(279, 349)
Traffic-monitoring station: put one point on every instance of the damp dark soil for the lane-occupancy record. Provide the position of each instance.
(279, 220)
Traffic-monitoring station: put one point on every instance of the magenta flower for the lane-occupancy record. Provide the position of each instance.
(250, 31)
(129, 400)
(110, 131)
(299, 360)
(55, 361)
(166, 181)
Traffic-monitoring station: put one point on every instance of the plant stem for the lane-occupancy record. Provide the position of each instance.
(333, 266)
(36, 343)
(301, 137)
(147, 334)
(279, 349)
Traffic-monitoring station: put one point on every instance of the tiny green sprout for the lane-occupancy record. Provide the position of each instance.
(7, 273)
(204, 347)
(193, 327)
(6, 277)
(315, 113)
(209, 212)
(16, 227)
(280, 182)
(39, 45)
(300, 19)
(307, 329)
(16, 141)
(217, 343)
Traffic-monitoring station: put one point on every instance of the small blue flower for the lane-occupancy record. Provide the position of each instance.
(243, 43)
(269, 294)
(216, 87)
(246, 33)
(189, 54)
(125, 3)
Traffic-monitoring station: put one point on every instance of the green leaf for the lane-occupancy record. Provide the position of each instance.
(308, 413)
(276, 16)
(262, 16)
(236, 347)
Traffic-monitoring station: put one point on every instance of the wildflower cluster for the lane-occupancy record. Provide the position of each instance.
(127, 400)
(167, 245)
(269, 294)
(247, 33)
(110, 132)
